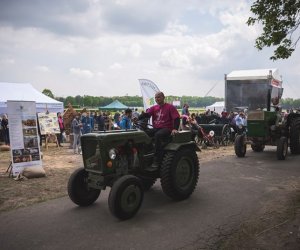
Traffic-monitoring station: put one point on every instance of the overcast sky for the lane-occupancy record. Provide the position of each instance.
(102, 47)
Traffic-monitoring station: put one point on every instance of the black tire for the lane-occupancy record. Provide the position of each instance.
(226, 135)
(126, 197)
(78, 190)
(257, 147)
(179, 173)
(295, 136)
(239, 146)
(282, 148)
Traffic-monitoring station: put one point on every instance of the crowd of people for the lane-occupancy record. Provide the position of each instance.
(100, 121)
(104, 121)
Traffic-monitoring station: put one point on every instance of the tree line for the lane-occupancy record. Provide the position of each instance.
(137, 101)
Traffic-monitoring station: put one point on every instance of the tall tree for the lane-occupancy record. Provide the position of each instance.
(48, 92)
(280, 20)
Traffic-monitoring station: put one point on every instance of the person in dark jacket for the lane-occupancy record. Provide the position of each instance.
(101, 122)
(5, 129)
(61, 128)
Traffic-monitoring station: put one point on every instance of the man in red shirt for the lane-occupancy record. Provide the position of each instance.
(166, 121)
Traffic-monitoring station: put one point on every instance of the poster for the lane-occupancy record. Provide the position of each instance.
(23, 134)
(48, 123)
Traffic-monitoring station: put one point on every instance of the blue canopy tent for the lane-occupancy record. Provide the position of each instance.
(115, 105)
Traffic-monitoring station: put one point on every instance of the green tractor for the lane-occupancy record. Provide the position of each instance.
(120, 159)
(260, 91)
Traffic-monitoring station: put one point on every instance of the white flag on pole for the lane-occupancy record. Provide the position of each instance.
(148, 89)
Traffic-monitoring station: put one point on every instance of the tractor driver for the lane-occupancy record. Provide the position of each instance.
(166, 121)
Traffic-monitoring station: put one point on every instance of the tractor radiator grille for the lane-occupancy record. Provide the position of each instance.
(92, 155)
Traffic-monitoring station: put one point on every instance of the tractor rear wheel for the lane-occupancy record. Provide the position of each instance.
(126, 197)
(240, 146)
(179, 173)
(295, 136)
(78, 189)
(282, 148)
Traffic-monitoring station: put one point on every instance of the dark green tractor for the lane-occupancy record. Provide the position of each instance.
(263, 129)
(260, 91)
(120, 159)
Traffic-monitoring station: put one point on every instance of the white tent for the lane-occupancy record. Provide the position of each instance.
(216, 107)
(26, 92)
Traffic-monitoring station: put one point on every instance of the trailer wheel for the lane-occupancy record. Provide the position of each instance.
(295, 136)
(282, 148)
(226, 135)
(240, 146)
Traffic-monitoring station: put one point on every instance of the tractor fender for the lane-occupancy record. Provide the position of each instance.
(176, 146)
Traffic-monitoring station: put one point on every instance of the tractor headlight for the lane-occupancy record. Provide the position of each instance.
(240, 126)
(211, 133)
(112, 154)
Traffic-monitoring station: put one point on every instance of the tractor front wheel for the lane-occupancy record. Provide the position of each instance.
(126, 197)
(240, 146)
(78, 189)
(282, 148)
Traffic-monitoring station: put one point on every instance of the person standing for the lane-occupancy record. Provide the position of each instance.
(126, 120)
(185, 110)
(61, 128)
(116, 117)
(166, 121)
(135, 113)
(76, 128)
(101, 122)
(86, 123)
(4, 125)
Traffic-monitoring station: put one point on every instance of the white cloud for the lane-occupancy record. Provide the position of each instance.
(116, 66)
(7, 61)
(41, 68)
(176, 29)
(84, 73)
(184, 46)
(174, 58)
(133, 50)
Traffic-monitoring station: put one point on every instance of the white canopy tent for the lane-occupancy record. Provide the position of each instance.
(26, 92)
(216, 107)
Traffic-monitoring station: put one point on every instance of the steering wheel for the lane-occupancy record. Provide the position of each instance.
(142, 124)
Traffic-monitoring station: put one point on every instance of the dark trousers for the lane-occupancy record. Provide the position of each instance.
(160, 134)
(60, 137)
(6, 136)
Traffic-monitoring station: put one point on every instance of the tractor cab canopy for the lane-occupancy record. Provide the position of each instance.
(255, 89)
